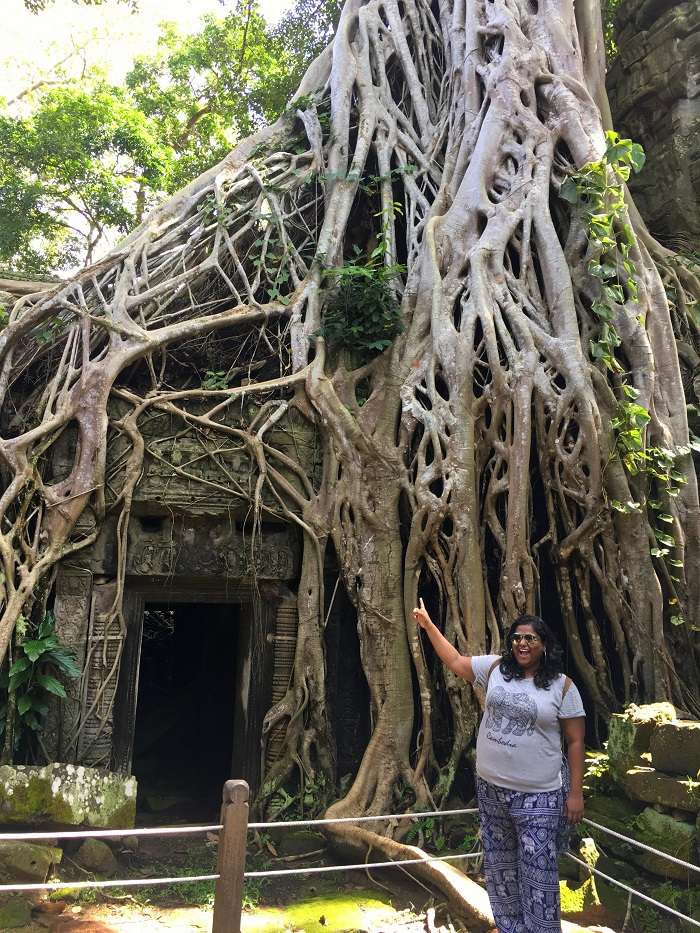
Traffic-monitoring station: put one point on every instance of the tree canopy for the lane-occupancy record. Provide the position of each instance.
(81, 162)
(37, 6)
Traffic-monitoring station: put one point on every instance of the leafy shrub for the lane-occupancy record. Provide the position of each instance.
(31, 678)
(363, 314)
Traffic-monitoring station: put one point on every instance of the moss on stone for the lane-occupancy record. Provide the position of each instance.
(668, 834)
(325, 913)
(300, 842)
(66, 795)
(651, 786)
(578, 896)
(15, 912)
(684, 899)
(664, 832)
(617, 813)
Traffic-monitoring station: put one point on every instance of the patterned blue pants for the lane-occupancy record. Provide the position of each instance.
(519, 835)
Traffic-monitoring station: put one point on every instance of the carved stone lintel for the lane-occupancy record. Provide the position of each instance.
(182, 546)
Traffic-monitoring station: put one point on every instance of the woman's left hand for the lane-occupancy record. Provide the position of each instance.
(574, 808)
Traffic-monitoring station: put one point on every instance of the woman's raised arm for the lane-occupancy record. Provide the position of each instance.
(448, 654)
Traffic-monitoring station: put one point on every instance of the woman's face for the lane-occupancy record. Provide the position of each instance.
(528, 647)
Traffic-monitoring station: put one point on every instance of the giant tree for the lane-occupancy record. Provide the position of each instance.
(429, 256)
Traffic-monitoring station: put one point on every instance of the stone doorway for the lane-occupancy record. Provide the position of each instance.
(96, 724)
(194, 687)
(186, 709)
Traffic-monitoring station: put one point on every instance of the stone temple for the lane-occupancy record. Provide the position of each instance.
(177, 693)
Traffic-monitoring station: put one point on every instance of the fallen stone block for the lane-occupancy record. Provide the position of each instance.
(675, 748)
(629, 733)
(24, 861)
(663, 832)
(59, 795)
(97, 857)
(652, 786)
(15, 912)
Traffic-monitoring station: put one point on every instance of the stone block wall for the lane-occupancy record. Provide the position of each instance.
(654, 761)
(654, 90)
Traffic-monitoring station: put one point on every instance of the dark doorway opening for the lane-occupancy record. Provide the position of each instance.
(184, 729)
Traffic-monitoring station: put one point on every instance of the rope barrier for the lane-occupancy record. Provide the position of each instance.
(114, 833)
(216, 827)
(643, 845)
(360, 819)
(644, 897)
(133, 882)
(70, 885)
(285, 824)
(319, 869)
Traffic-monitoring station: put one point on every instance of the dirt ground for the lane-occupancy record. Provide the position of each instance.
(383, 901)
(323, 904)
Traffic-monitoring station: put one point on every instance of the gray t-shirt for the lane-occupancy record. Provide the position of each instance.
(519, 742)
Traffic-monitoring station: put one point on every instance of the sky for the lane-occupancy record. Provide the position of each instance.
(32, 43)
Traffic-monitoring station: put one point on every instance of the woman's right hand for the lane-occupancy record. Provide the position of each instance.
(420, 614)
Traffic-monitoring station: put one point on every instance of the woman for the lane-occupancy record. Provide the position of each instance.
(529, 704)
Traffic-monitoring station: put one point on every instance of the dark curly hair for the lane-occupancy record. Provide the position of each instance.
(551, 663)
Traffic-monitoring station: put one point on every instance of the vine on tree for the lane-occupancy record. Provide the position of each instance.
(597, 191)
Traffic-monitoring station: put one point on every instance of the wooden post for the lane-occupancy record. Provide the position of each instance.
(228, 899)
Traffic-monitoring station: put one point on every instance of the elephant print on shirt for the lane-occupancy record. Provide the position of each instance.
(508, 713)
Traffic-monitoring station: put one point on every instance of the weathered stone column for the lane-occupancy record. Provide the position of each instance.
(72, 613)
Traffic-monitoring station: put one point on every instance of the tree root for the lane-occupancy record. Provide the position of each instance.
(465, 898)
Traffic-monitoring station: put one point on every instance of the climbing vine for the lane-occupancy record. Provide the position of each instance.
(597, 193)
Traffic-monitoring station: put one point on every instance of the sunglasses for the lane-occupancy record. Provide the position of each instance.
(527, 637)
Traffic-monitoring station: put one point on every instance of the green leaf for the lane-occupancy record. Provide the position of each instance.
(674, 562)
(19, 679)
(614, 293)
(34, 649)
(51, 684)
(598, 350)
(665, 539)
(569, 191)
(603, 311)
(677, 620)
(659, 551)
(637, 157)
(21, 664)
(65, 661)
(665, 517)
(48, 626)
(24, 704)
